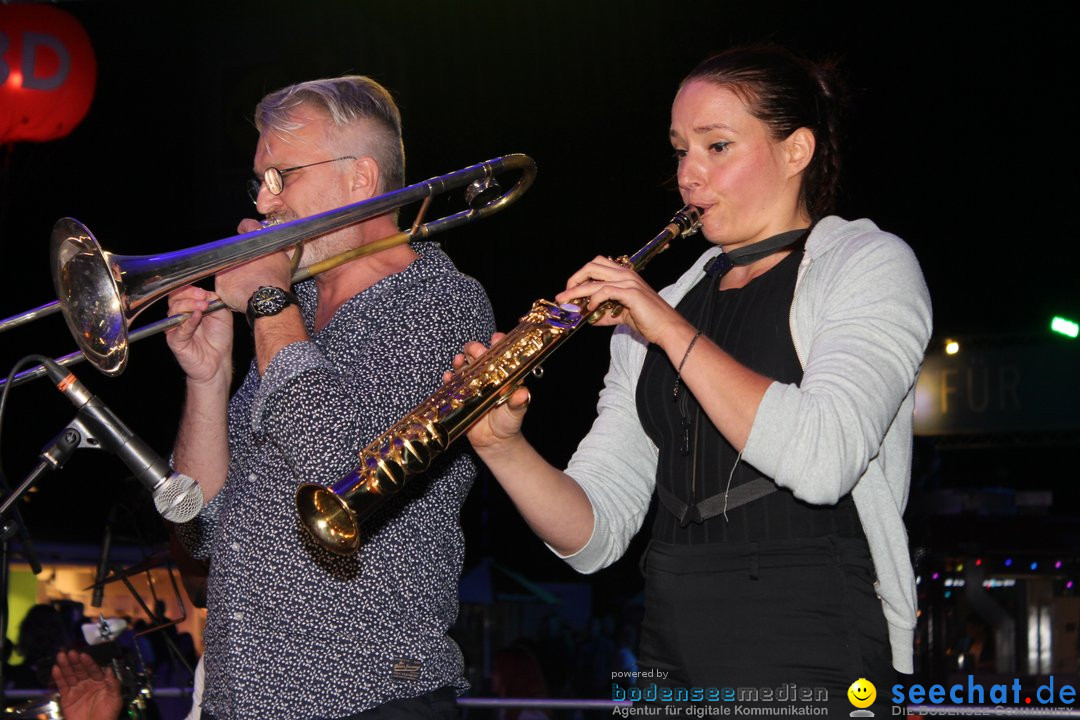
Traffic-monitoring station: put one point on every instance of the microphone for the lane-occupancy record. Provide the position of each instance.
(103, 561)
(177, 497)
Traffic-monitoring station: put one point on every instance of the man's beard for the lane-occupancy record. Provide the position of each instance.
(317, 249)
(325, 247)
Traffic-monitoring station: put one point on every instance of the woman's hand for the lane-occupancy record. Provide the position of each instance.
(644, 310)
(502, 423)
(552, 503)
(202, 344)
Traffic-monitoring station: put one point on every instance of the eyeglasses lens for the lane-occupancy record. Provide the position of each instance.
(274, 183)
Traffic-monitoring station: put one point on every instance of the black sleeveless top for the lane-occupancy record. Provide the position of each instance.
(751, 324)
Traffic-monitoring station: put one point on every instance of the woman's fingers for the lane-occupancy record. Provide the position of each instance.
(519, 399)
(599, 268)
(471, 351)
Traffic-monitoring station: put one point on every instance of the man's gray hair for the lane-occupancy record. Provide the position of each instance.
(348, 101)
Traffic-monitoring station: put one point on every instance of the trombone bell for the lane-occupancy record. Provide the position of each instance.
(89, 296)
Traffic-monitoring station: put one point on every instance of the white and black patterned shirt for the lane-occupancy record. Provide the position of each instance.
(293, 631)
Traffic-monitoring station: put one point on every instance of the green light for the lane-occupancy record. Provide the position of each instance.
(1064, 326)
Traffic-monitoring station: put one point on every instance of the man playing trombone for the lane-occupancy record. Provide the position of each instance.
(294, 631)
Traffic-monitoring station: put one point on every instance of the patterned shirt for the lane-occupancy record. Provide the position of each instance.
(293, 631)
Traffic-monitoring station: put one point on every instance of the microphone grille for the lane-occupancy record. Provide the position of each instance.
(179, 498)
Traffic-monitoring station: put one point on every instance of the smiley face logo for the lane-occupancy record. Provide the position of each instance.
(862, 693)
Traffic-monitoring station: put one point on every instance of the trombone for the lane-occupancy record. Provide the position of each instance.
(100, 293)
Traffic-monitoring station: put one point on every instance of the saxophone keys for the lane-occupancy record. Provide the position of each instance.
(416, 454)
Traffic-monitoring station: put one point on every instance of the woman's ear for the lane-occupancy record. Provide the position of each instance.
(799, 147)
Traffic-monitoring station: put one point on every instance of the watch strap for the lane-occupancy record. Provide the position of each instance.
(285, 298)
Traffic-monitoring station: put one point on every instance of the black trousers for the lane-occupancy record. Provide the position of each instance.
(765, 616)
(439, 704)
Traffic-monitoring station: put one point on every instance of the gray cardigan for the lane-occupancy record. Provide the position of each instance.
(860, 320)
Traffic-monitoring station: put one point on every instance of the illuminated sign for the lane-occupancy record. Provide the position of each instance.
(998, 390)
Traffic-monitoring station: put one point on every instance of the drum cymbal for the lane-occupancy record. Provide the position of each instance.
(158, 559)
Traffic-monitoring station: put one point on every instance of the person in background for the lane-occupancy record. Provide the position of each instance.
(516, 673)
(42, 633)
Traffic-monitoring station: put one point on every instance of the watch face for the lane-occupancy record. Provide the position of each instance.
(268, 301)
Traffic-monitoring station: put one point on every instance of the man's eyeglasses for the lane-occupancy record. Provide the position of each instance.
(274, 179)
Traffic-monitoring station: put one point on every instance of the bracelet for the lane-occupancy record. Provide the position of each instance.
(678, 373)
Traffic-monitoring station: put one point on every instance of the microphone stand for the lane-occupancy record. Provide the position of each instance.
(9, 528)
(53, 456)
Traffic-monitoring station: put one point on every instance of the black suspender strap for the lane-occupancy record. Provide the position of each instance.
(714, 504)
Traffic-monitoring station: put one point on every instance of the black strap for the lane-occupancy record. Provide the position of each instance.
(723, 262)
(714, 504)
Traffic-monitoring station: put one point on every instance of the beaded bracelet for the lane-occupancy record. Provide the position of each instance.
(678, 373)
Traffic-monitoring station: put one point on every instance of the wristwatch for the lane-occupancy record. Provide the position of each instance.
(268, 301)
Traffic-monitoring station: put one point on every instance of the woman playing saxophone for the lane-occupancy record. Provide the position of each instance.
(765, 398)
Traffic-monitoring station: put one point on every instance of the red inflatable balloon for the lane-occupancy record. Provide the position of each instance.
(47, 72)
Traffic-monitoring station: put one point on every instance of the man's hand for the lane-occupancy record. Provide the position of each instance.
(236, 285)
(202, 344)
(87, 691)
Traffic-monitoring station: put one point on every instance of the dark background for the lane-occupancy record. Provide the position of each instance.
(961, 142)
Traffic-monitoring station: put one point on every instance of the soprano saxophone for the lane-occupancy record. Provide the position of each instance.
(332, 515)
